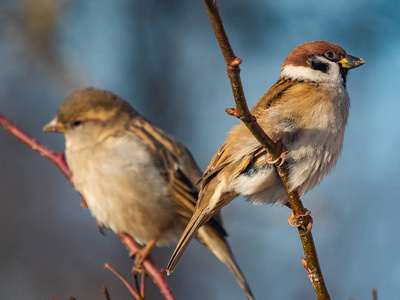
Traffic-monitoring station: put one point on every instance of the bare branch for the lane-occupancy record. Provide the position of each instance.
(57, 158)
(124, 281)
(242, 112)
(374, 294)
(143, 284)
(105, 292)
(155, 274)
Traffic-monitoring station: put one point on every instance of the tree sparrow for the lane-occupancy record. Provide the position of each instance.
(307, 110)
(135, 178)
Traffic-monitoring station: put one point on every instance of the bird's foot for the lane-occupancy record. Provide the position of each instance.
(303, 221)
(142, 255)
(101, 228)
(282, 157)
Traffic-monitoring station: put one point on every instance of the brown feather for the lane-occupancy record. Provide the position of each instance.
(300, 54)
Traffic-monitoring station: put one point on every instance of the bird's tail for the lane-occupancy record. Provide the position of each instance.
(217, 244)
(213, 238)
(195, 222)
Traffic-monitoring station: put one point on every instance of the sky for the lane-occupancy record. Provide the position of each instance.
(163, 58)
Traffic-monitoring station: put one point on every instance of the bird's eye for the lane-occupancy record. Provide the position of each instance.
(76, 123)
(329, 54)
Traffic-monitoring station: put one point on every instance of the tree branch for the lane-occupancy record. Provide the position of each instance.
(242, 112)
(105, 292)
(59, 160)
(156, 275)
(124, 281)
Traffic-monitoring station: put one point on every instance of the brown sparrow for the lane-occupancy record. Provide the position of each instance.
(135, 178)
(307, 110)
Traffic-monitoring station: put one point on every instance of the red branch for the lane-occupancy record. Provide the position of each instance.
(124, 281)
(59, 160)
(156, 275)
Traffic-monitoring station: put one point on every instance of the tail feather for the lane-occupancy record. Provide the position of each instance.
(190, 230)
(213, 238)
(217, 244)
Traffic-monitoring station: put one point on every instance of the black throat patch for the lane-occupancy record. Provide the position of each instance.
(343, 73)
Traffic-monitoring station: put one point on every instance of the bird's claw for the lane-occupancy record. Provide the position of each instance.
(101, 228)
(305, 221)
(137, 270)
(282, 157)
(140, 256)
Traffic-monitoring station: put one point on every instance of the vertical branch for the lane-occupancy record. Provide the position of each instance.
(233, 71)
(374, 294)
(242, 112)
(143, 284)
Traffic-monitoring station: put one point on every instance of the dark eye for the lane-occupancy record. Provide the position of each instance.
(330, 55)
(76, 123)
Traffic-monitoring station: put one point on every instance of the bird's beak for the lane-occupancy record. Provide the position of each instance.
(55, 126)
(351, 62)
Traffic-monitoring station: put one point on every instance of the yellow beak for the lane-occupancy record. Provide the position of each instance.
(55, 126)
(351, 62)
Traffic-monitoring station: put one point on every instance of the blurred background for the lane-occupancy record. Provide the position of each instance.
(163, 58)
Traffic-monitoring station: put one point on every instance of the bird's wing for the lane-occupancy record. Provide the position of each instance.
(272, 96)
(234, 163)
(176, 165)
(227, 158)
(182, 173)
(224, 158)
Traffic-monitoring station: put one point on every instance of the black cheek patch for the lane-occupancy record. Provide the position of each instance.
(320, 66)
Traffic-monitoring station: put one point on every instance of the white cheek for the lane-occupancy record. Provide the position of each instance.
(333, 76)
(79, 138)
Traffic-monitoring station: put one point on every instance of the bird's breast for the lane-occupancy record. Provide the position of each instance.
(124, 189)
(318, 130)
(310, 123)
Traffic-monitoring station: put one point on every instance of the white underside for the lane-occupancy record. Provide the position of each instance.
(313, 155)
(126, 192)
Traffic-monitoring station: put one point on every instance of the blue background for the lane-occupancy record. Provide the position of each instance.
(163, 58)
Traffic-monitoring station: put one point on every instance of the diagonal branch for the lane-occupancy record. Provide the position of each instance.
(242, 112)
(124, 281)
(59, 160)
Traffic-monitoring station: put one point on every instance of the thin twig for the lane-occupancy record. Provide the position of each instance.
(374, 294)
(105, 292)
(124, 281)
(274, 149)
(136, 280)
(155, 274)
(59, 160)
(233, 71)
(143, 285)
